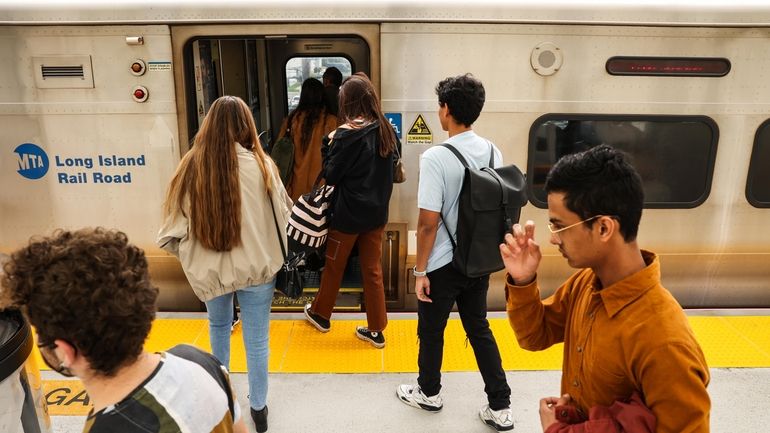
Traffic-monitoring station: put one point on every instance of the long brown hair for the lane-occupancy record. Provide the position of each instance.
(358, 99)
(312, 106)
(207, 176)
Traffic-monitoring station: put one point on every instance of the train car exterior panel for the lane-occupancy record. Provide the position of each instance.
(714, 254)
(700, 248)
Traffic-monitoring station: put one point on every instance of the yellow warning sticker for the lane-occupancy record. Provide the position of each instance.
(66, 397)
(419, 133)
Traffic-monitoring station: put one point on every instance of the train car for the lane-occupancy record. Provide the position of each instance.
(98, 103)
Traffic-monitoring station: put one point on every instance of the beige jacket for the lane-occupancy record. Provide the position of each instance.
(256, 260)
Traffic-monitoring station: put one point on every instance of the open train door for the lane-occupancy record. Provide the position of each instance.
(265, 65)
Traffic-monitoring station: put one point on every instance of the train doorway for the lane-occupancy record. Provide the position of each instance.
(265, 71)
(265, 65)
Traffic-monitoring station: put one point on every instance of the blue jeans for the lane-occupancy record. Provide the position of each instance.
(255, 302)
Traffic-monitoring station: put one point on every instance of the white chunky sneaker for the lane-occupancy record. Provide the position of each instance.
(500, 420)
(413, 396)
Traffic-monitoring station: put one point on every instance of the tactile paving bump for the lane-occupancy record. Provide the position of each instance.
(337, 351)
(401, 347)
(733, 341)
(297, 347)
(167, 333)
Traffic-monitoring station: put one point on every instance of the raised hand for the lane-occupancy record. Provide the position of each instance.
(521, 254)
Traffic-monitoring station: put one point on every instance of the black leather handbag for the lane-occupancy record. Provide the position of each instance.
(289, 278)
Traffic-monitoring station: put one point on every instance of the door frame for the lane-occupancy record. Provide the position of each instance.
(181, 35)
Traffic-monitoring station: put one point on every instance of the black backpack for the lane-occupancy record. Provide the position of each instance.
(489, 205)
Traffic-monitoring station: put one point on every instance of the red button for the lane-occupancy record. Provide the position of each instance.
(138, 93)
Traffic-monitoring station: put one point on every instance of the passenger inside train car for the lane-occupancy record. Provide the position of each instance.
(89, 295)
(306, 126)
(332, 80)
(623, 332)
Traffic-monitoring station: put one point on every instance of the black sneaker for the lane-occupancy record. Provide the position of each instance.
(319, 322)
(374, 337)
(260, 419)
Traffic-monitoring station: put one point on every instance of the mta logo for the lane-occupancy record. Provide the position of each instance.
(32, 161)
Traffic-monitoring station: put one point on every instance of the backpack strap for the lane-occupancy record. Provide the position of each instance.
(464, 162)
(457, 153)
(277, 229)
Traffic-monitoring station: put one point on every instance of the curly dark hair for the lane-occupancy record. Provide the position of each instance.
(89, 287)
(464, 95)
(600, 181)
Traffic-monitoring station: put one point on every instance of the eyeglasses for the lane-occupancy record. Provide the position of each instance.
(51, 360)
(555, 231)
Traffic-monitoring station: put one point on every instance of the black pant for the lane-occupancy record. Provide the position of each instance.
(448, 286)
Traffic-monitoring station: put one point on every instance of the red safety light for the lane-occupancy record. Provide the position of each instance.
(669, 66)
(140, 93)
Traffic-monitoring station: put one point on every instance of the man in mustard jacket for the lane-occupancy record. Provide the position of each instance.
(623, 332)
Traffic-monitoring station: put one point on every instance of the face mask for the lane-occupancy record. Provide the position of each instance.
(50, 359)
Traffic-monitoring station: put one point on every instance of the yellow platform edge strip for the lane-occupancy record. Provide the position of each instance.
(296, 347)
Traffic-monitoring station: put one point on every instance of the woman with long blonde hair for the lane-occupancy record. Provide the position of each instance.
(359, 163)
(219, 220)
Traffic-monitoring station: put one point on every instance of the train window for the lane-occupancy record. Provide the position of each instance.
(758, 182)
(298, 69)
(673, 154)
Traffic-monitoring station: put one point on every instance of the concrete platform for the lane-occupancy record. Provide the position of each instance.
(331, 403)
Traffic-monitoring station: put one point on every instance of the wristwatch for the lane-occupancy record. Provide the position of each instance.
(417, 273)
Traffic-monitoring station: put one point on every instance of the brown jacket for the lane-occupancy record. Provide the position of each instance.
(307, 162)
(630, 336)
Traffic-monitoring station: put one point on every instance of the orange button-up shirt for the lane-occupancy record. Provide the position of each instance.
(632, 335)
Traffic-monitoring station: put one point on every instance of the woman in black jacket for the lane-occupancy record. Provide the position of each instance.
(359, 163)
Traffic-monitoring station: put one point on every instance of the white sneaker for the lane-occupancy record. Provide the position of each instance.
(500, 420)
(413, 396)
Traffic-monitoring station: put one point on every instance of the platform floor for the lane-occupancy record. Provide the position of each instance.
(367, 403)
(336, 383)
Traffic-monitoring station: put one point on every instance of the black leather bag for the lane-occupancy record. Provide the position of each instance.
(489, 205)
(289, 278)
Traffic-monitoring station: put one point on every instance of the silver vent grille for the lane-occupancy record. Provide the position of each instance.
(62, 71)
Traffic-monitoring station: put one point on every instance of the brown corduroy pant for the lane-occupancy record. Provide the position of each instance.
(338, 247)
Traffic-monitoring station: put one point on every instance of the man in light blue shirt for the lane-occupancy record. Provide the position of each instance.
(437, 284)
